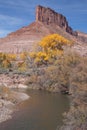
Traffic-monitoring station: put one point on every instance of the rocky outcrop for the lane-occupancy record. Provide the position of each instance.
(49, 16)
(82, 36)
(47, 22)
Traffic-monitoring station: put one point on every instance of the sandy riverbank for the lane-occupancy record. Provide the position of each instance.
(8, 105)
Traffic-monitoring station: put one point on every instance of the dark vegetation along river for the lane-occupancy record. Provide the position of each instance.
(42, 111)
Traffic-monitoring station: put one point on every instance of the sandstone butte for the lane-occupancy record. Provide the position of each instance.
(47, 22)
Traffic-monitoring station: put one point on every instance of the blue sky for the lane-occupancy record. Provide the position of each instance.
(15, 14)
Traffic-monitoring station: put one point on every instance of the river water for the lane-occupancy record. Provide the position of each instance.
(42, 111)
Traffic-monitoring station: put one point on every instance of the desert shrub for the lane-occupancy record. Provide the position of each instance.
(21, 65)
(79, 77)
(24, 55)
(76, 118)
(61, 72)
(6, 60)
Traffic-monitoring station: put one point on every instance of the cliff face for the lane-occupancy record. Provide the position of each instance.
(49, 16)
(47, 22)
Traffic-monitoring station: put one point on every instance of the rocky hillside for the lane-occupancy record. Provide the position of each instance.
(47, 22)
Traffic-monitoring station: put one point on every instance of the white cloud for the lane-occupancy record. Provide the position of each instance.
(9, 20)
(8, 24)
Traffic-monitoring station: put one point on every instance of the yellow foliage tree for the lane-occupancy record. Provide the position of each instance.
(11, 57)
(54, 42)
(6, 63)
(6, 59)
(51, 47)
(24, 55)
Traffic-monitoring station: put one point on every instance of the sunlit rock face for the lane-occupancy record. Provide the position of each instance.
(47, 22)
(49, 16)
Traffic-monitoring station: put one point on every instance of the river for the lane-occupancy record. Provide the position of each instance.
(42, 111)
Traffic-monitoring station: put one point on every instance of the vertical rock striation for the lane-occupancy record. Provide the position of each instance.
(49, 16)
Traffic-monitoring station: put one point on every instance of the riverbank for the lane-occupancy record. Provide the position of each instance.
(8, 102)
(9, 98)
(30, 81)
(6, 110)
(11, 80)
(43, 111)
(66, 78)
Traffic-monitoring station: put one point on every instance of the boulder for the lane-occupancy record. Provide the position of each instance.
(22, 86)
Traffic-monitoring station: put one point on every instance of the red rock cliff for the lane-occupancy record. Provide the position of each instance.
(49, 16)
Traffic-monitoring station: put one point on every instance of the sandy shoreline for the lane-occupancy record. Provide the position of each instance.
(7, 107)
(9, 98)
